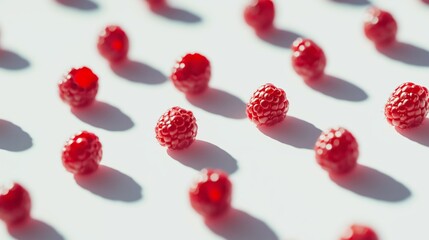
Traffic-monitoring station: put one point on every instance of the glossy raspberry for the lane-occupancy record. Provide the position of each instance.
(15, 204)
(82, 153)
(407, 106)
(79, 87)
(359, 232)
(113, 43)
(380, 26)
(176, 128)
(259, 14)
(268, 105)
(211, 194)
(308, 59)
(337, 151)
(155, 3)
(192, 73)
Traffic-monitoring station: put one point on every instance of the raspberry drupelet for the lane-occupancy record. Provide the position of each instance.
(337, 151)
(268, 105)
(79, 87)
(15, 204)
(113, 43)
(176, 129)
(82, 153)
(260, 14)
(211, 194)
(359, 232)
(380, 26)
(191, 73)
(308, 59)
(407, 106)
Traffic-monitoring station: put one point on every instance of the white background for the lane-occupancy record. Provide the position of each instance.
(279, 190)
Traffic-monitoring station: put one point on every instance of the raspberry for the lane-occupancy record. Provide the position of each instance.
(82, 153)
(359, 232)
(308, 59)
(210, 195)
(407, 106)
(380, 26)
(113, 43)
(268, 105)
(79, 87)
(337, 151)
(156, 3)
(176, 128)
(260, 14)
(15, 204)
(192, 73)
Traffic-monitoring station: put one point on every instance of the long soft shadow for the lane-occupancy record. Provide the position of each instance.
(219, 102)
(12, 61)
(418, 134)
(85, 5)
(353, 2)
(338, 88)
(13, 138)
(203, 154)
(111, 184)
(406, 53)
(176, 14)
(278, 37)
(105, 116)
(138, 72)
(239, 225)
(293, 131)
(371, 183)
(34, 230)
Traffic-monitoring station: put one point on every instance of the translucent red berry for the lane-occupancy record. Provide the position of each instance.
(15, 204)
(359, 232)
(308, 59)
(268, 105)
(113, 43)
(176, 129)
(407, 106)
(191, 73)
(82, 153)
(78, 87)
(211, 194)
(260, 14)
(380, 26)
(337, 151)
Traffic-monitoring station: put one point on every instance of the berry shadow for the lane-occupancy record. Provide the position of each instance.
(12, 61)
(219, 102)
(84, 5)
(13, 138)
(353, 2)
(338, 88)
(202, 155)
(278, 37)
(105, 116)
(406, 53)
(418, 134)
(34, 229)
(239, 225)
(111, 184)
(371, 183)
(138, 72)
(293, 131)
(175, 14)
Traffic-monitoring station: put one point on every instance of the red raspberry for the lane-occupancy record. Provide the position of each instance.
(192, 73)
(337, 151)
(359, 232)
(268, 105)
(156, 3)
(308, 59)
(260, 14)
(176, 128)
(79, 87)
(15, 204)
(407, 106)
(380, 26)
(113, 43)
(82, 153)
(210, 195)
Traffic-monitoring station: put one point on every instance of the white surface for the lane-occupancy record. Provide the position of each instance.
(281, 191)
